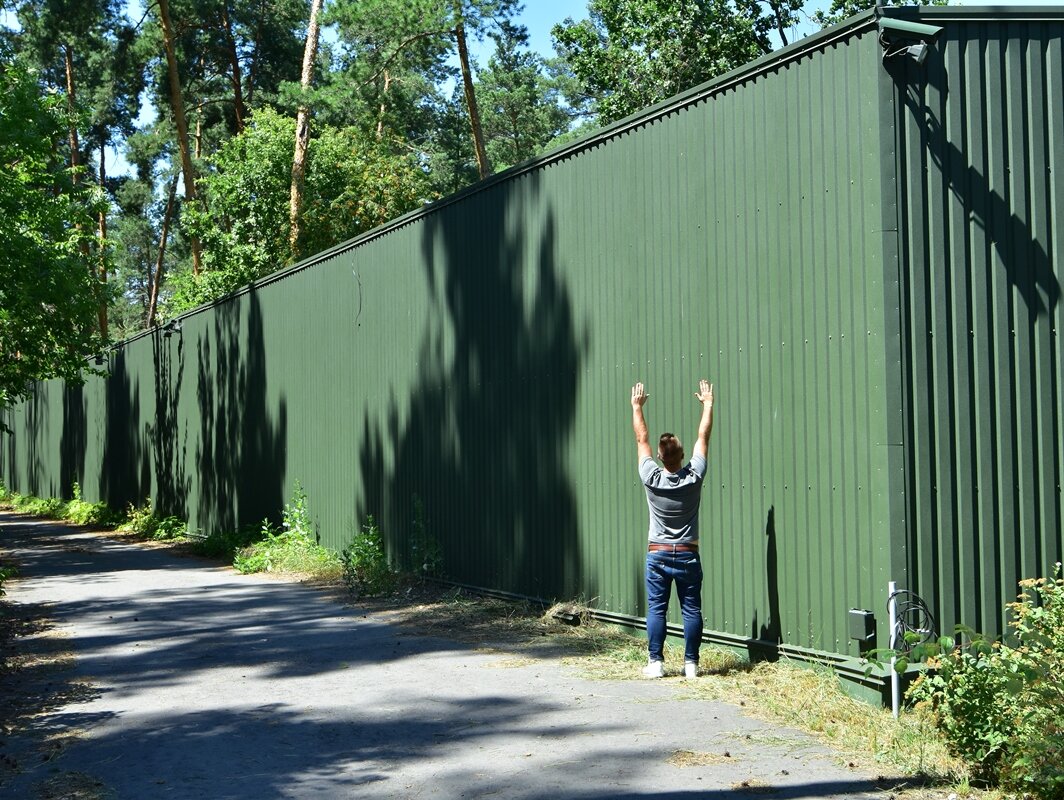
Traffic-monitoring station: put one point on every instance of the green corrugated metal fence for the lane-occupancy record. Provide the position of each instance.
(477, 356)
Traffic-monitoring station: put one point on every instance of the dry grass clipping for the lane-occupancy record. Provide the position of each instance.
(689, 758)
(811, 699)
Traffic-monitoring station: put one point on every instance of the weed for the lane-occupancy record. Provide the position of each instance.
(81, 512)
(291, 549)
(365, 564)
(5, 574)
(51, 507)
(142, 521)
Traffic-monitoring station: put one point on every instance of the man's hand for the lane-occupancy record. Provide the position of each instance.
(704, 394)
(639, 396)
(639, 423)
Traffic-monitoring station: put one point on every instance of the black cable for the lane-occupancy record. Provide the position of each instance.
(911, 616)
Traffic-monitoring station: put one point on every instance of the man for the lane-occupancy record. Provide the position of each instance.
(674, 493)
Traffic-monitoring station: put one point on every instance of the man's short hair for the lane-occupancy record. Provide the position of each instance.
(670, 449)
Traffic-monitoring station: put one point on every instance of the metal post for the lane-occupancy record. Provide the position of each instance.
(895, 682)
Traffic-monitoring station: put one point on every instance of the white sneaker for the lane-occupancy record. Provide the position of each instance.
(690, 669)
(655, 669)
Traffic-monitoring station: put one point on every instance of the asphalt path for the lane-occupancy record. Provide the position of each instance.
(211, 684)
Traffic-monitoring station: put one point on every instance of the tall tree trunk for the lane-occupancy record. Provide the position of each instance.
(234, 63)
(75, 153)
(471, 99)
(103, 239)
(157, 278)
(178, 106)
(384, 105)
(75, 163)
(299, 159)
(253, 71)
(781, 29)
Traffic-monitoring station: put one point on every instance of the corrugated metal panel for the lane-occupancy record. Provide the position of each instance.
(479, 358)
(981, 144)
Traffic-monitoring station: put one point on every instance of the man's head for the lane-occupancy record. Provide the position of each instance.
(670, 451)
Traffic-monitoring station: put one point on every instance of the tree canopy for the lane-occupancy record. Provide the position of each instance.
(48, 292)
(156, 160)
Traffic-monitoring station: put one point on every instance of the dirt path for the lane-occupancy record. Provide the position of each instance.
(175, 678)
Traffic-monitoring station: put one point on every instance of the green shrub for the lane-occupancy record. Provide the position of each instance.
(5, 493)
(292, 548)
(968, 692)
(366, 570)
(5, 574)
(142, 520)
(51, 507)
(1001, 708)
(82, 513)
(1037, 763)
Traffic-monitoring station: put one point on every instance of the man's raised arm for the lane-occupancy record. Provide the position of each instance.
(639, 424)
(704, 395)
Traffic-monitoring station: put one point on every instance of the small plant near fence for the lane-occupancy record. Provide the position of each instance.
(291, 548)
(366, 569)
(143, 521)
(82, 512)
(1001, 708)
(5, 574)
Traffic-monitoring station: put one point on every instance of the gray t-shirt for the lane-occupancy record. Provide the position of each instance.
(673, 499)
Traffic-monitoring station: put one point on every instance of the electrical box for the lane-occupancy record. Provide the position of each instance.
(862, 625)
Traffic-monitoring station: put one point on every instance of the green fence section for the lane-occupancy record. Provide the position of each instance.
(779, 231)
(981, 152)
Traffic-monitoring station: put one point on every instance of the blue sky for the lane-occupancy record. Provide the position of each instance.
(539, 16)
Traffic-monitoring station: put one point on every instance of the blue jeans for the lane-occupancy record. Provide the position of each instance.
(664, 568)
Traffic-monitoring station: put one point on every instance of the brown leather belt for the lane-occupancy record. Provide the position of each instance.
(656, 547)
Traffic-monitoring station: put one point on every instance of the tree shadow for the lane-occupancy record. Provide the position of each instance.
(482, 438)
(172, 484)
(242, 456)
(1027, 265)
(121, 476)
(36, 416)
(72, 443)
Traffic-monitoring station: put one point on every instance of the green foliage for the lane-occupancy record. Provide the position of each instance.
(840, 10)
(968, 692)
(1001, 708)
(521, 105)
(366, 570)
(353, 183)
(292, 548)
(5, 574)
(80, 512)
(49, 507)
(630, 54)
(1037, 764)
(48, 298)
(142, 521)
